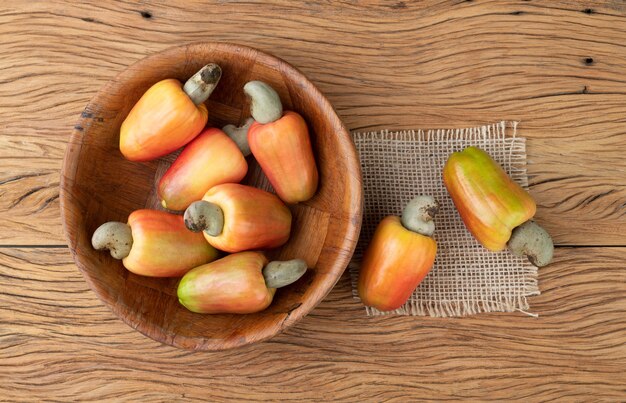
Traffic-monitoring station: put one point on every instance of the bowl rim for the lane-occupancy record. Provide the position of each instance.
(197, 342)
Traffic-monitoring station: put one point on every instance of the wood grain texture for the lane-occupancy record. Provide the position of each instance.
(558, 67)
(63, 344)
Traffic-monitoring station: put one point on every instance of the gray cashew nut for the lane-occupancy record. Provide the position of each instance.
(279, 274)
(113, 236)
(532, 241)
(265, 105)
(240, 135)
(419, 213)
(200, 86)
(204, 216)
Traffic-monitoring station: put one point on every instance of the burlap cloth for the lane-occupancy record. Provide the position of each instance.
(466, 278)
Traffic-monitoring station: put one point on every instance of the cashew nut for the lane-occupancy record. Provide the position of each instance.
(265, 105)
(204, 216)
(200, 86)
(113, 236)
(279, 274)
(532, 241)
(240, 135)
(418, 215)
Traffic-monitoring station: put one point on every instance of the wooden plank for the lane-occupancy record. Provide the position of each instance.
(57, 341)
(558, 68)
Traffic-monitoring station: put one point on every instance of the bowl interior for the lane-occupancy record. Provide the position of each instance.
(99, 185)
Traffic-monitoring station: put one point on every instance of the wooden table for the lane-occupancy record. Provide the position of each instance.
(559, 68)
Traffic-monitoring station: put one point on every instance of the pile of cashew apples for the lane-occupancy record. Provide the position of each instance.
(214, 231)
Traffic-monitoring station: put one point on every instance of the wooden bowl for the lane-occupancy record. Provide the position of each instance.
(99, 185)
